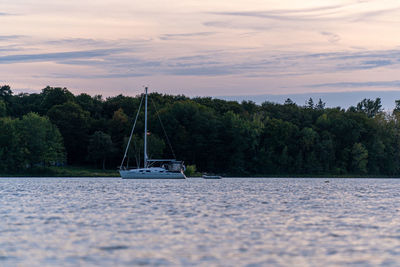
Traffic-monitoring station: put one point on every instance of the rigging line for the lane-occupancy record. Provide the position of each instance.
(133, 128)
(137, 157)
(162, 126)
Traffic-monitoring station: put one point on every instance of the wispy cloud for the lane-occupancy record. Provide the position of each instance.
(376, 63)
(60, 56)
(259, 64)
(124, 62)
(9, 48)
(332, 37)
(319, 19)
(234, 24)
(261, 47)
(386, 84)
(185, 35)
(91, 76)
(365, 16)
(352, 60)
(10, 37)
(202, 71)
(287, 14)
(314, 14)
(77, 42)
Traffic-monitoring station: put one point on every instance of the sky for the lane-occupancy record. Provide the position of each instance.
(200, 47)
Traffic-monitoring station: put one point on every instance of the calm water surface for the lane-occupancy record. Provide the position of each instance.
(196, 222)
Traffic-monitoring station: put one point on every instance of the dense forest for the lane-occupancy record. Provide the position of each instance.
(56, 127)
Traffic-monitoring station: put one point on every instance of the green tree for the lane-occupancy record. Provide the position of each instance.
(359, 158)
(25, 103)
(320, 105)
(100, 147)
(190, 170)
(11, 151)
(238, 139)
(41, 140)
(310, 103)
(278, 146)
(308, 138)
(3, 109)
(29, 141)
(192, 131)
(325, 150)
(119, 124)
(5, 93)
(370, 107)
(94, 105)
(72, 121)
(5, 99)
(217, 136)
(55, 96)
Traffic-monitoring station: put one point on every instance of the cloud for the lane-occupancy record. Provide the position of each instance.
(351, 60)
(77, 41)
(131, 58)
(265, 64)
(314, 14)
(201, 71)
(9, 48)
(377, 63)
(387, 84)
(287, 14)
(300, 19)
(185, 35)
(191, 58)
(10, 37)
(363, 16)
(60, 56)
(239, 25)
(308, 10)
(332, 37)
(91, 76)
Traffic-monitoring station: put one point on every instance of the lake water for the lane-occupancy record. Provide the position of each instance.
(196, 222)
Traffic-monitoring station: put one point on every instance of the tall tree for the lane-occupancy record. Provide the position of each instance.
(5, 92)
(310, 103)
(370, 107)
(359, 158)
(100, 147)
(33, 140)
(72, 121)
(41, 140)
(320, 105)
(55, 96)
(11, 151)
(3, 108)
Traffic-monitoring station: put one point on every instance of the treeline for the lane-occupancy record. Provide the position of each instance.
(56, 127)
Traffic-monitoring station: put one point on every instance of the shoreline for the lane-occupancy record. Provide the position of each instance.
(90, 172)
(196, 177)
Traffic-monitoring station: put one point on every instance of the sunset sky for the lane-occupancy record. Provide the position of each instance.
(200, 47)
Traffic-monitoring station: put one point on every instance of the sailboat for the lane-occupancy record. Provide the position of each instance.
(165, 169)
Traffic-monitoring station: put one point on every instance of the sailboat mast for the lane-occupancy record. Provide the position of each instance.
(145, 130)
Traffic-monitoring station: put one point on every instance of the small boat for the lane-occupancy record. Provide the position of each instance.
(168, 169)
(211, 176)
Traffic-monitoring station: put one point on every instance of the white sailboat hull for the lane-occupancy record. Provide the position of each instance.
(150, 173)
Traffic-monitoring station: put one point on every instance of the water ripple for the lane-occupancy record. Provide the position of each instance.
(196, 222)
